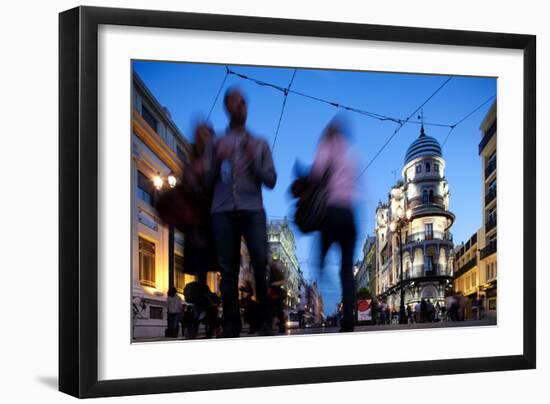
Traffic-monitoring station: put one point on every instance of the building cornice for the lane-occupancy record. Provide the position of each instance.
(154, 142)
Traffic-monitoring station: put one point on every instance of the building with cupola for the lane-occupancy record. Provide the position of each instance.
(422, 242)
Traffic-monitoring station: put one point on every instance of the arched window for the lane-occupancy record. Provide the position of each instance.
(425, 196)
(428, 167)
(418, 168)
(431, 197)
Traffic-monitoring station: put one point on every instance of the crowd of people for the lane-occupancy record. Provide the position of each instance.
(218, 203)
(425, 311)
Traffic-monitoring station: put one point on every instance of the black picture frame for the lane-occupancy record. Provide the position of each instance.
(78, 201)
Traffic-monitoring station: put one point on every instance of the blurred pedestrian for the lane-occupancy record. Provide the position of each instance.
(450, 308)
(174, 308)
(251, 313)
(481, 306)
(475, 308)
(430, 310)
(417, 312)
(461, 307)
(333, 165)
(437, 312)
(198, 246)
(423, 311)
(202, 308)
(242, 164)
(277, 295)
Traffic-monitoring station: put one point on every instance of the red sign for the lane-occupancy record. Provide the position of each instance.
(363, 305)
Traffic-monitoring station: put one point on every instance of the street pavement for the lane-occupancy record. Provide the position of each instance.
(363, 328)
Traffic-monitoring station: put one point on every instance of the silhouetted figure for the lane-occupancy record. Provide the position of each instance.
(242, 164)
(174, 307)
(423, 311)
(277, 294)
(333, 165)
(251, 312)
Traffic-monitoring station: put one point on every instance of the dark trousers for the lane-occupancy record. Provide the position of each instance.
(228, 228)
(173, 324)
(339, 228)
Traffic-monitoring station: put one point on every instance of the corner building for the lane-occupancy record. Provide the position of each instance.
(426, 241)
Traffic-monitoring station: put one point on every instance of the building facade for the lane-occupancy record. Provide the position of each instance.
(488, 233)
(282, 246)
(365, 266)
(159, 151)
(466, 274)
(426, 242)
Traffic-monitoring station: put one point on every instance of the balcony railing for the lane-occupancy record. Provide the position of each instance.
(492, 166)
(491, 223)
(435, 235)
(466, 267)
(488, 135)
(426, 270)
(419, 201)
(490, 249)
(490, 195)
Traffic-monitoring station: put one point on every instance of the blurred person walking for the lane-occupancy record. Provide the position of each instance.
(277, 295)
(242, 164)
(174, 308)
(475, 308)
(333, 164)
(481, 306)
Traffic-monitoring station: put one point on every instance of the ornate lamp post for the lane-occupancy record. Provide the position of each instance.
(158, 183)
(402, 220)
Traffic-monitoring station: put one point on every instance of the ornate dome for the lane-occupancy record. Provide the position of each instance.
(423, 146)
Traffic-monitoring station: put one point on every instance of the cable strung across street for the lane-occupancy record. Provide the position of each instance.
(380, 117)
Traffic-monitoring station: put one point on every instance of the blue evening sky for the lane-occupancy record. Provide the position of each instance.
(188, 91)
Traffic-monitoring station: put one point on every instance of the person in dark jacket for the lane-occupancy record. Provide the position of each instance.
(242, 165)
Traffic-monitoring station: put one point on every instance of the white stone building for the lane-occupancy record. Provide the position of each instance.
(282, 246)
(426, 241)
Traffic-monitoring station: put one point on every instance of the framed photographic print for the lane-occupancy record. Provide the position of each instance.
(251, 201)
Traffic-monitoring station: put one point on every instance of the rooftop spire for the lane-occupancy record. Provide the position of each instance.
(421, 117)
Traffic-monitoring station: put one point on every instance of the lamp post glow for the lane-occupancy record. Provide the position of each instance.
(158, 182)
(172, 181)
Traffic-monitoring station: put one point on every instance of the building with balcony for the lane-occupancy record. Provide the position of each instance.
(488, 232)
(466, 271)
(282, 246)
(427, 244)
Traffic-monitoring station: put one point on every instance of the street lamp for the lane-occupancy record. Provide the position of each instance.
(172, 181)
(403, 219)
(158, 183)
